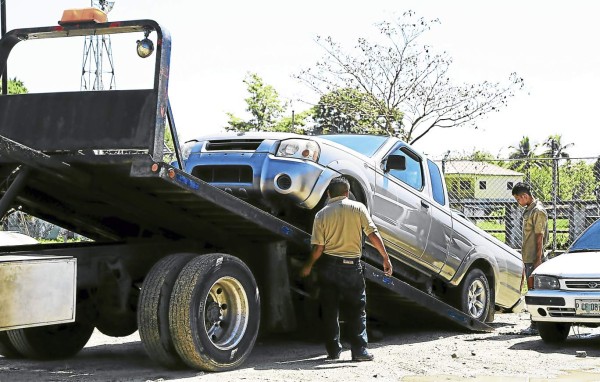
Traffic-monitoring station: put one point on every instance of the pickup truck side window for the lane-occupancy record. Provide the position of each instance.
(437, 184)
(413, 174)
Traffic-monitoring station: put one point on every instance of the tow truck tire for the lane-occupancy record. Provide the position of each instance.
(120, 324)
(474, 296)
(153, 310)
(553, 332)
(214, 314)
(7, 350)
(52, 341)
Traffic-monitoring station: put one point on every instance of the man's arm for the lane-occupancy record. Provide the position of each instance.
(377, 242)
(539, 249)
(317, 251)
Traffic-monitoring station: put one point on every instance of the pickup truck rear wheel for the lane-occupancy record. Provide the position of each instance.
(553, 332)
(474, 297)
(52, 341)
(153, 310)
(214, 313)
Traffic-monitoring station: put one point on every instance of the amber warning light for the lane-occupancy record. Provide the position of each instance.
(83, 15)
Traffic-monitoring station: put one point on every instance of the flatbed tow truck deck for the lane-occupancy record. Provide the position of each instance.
(92, 162)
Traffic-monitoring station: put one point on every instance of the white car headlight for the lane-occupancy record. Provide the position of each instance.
(545, 282)
(299, 148)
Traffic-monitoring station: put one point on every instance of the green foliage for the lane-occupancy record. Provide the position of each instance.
(525, 158)
(555, 148)
(577, 181)
(540, 179)
(351, 111)
(16, 86)
(263, 104)
(169, 155)
(299, 123)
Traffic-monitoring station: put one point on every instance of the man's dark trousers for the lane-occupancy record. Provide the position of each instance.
(343, 285)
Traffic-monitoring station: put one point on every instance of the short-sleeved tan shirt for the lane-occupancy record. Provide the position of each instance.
(339, 227)
(535, 220)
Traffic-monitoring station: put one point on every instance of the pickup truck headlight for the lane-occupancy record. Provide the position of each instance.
(186, 149)
(299, 148)
(545, 282)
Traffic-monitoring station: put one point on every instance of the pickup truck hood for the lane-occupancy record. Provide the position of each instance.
(576, 265)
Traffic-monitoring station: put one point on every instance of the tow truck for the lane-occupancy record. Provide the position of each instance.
(191, 267)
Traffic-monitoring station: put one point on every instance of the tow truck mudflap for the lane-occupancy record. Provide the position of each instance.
(37, 290)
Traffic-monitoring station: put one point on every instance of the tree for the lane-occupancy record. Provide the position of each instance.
(555, 147)
(403, 75)
(263, 104)
(16, 86)
(348, 110)
(578, 181)
(525, 157)
(556, 151)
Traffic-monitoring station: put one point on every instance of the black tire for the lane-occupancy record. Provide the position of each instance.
(153, 310)
(120, 324)
(215, 312)
(52, 341)
(7, 350)
(553, 332)
(474, 296)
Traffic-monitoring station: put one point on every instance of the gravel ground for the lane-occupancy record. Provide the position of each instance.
(429, 352)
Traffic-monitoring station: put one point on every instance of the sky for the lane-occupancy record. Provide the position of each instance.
(553, 45)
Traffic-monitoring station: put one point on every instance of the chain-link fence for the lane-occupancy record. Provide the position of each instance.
(569, 188)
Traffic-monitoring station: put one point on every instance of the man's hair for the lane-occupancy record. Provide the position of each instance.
(521, 188)
(338, 186)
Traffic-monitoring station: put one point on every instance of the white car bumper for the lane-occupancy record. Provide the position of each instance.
(577, 307)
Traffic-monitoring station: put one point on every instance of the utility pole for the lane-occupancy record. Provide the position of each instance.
(2, 33)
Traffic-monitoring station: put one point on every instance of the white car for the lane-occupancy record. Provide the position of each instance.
(15, 238)
(566, 289)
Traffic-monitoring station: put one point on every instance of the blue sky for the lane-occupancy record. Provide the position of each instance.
(552, 44)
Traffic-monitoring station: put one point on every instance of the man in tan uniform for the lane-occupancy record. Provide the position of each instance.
(337, 244)
(535, 234)
(535, 227)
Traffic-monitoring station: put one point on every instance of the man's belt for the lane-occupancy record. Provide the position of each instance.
(338, 260)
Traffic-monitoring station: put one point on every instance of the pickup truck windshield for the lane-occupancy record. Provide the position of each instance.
(364, 144)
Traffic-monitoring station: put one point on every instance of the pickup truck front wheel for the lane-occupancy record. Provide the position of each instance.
(474, 295)
(214, 312)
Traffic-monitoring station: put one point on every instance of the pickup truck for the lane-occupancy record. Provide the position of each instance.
(442, 252)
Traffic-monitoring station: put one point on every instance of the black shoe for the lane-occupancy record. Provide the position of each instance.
(335, 356)
(362, 356)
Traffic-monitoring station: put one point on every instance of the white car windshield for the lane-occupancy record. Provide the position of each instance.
(589, 240)
(364, 144)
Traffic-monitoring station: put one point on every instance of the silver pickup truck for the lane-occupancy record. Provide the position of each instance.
(442, 252)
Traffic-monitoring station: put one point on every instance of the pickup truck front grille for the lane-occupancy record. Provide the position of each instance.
(583, 284)
(223, 174)
(233, 145)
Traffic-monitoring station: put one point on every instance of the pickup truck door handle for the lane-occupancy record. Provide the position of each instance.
(424, 205)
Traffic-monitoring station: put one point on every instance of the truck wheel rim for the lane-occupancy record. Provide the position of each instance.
(226, 313)
(476, 299)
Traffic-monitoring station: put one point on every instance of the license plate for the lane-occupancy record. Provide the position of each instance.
(587, 307)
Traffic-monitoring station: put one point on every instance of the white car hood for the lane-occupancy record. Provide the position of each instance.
(576, 265)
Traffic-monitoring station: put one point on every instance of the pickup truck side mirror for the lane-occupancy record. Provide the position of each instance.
(395, 162)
